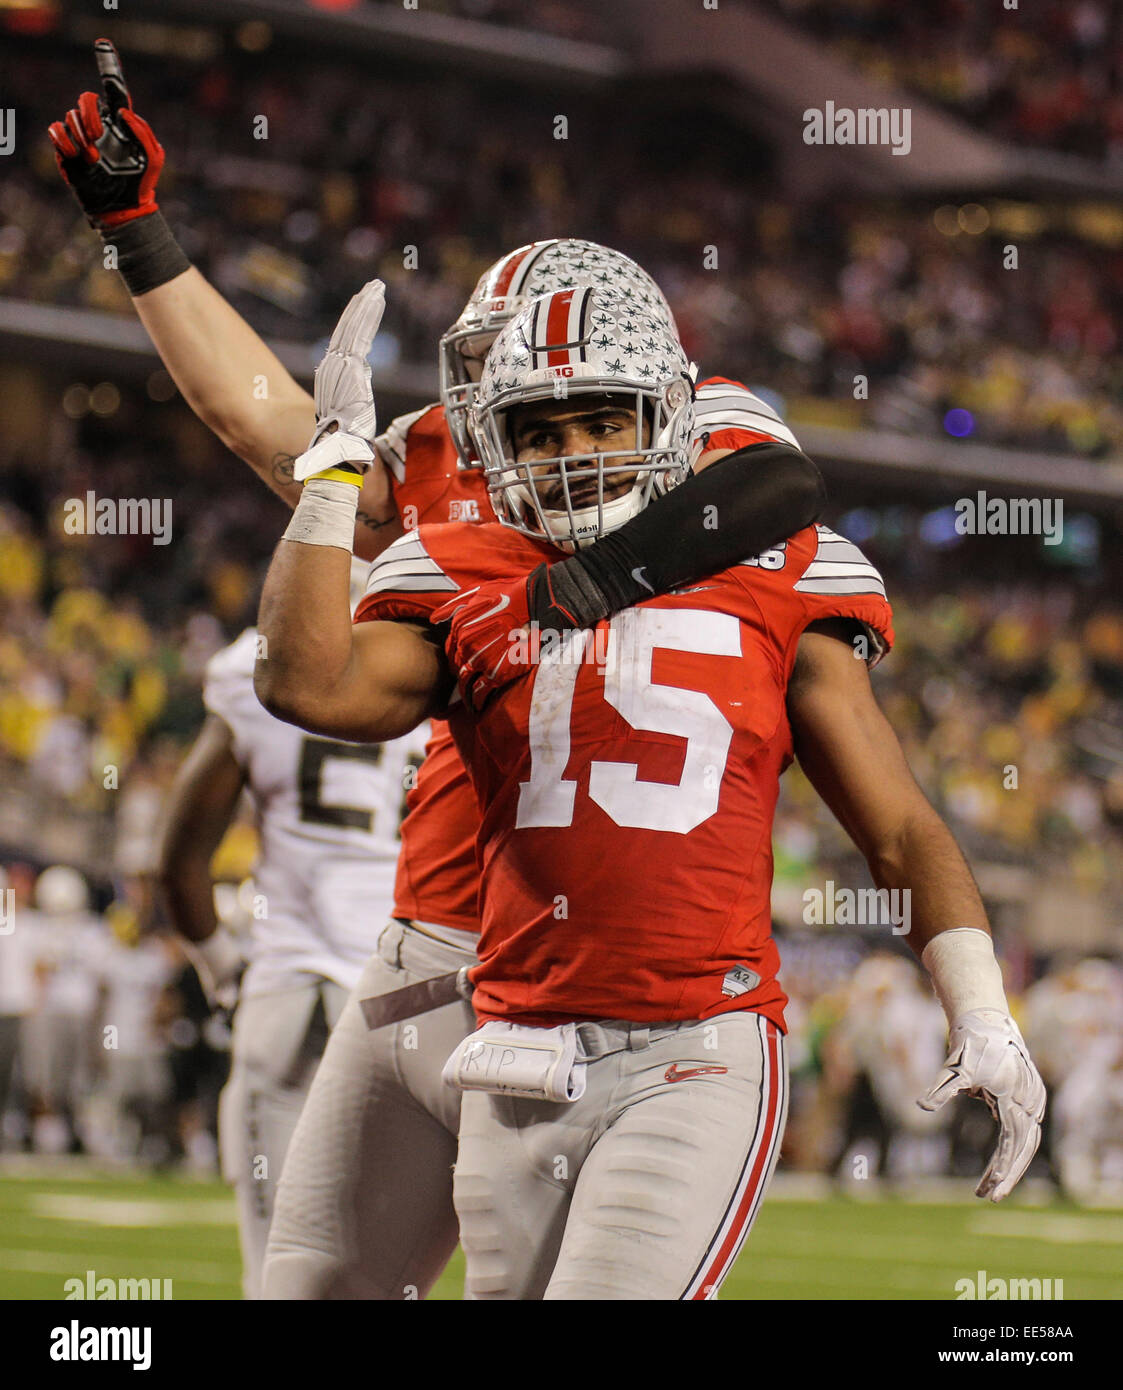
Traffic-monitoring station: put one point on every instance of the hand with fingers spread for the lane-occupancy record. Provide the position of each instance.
(106, 152)
(345, 416)
(988, 1057)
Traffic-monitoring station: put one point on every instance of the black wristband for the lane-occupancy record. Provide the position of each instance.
(148, 256)
(730, 512)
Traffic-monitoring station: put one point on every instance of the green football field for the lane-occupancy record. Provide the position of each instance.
(54, 1228)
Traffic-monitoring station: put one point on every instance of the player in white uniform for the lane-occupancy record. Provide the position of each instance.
(69, 944)
(136, 970)
(17, 978)
(327, 817)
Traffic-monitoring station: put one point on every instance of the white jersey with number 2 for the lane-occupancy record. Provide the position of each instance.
(327, 816)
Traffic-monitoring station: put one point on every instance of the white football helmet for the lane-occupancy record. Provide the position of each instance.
(509, 286)
(61, 891)
(565, 346)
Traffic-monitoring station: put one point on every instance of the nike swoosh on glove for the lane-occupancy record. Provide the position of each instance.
(987, 1057)
(106, 152)
(482, 644)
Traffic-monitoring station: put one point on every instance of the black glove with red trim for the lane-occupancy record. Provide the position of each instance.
(106, 152)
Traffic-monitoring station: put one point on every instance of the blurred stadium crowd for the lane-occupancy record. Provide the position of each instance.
(561, 19)
(911, 296)
(1047, 74)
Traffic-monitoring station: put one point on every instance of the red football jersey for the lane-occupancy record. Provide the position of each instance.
(438, 877)
(629, 780)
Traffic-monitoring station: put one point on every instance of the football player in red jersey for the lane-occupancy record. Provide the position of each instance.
(112, 160)
(625, 1092)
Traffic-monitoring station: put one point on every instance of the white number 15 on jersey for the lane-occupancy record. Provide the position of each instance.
(548, 798)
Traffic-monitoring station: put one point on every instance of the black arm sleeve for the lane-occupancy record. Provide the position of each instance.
(732, 510)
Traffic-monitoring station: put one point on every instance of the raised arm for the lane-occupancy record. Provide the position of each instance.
(377, 681)
(231, 379)
(849, 752)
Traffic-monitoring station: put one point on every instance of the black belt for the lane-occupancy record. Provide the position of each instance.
(416, 999)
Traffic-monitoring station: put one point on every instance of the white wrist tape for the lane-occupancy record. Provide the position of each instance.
(325, 514)
(329, 452)
(964, 972)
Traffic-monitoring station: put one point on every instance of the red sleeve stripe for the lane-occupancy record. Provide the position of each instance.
(733, 439)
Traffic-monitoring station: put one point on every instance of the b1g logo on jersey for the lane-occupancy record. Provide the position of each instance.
(464, 509)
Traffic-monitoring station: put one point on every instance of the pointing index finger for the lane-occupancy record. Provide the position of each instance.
(112, 76)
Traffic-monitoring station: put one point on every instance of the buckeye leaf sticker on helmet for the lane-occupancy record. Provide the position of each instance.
(581, 352)
(506, 288)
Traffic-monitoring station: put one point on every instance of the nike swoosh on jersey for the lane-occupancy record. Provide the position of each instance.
(673, 1074)
(637, 575)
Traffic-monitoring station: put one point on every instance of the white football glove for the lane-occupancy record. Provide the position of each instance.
(345, 418)
(219, 963)
(987, 1057)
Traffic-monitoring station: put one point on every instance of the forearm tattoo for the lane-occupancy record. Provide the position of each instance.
(283, 465)
(282, 468)
(372, 523)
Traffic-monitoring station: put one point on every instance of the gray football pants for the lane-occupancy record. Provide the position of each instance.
(364, 1206)
(646, 1187)
(279, 1039)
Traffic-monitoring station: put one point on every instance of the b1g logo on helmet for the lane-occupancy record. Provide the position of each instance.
(559, 371)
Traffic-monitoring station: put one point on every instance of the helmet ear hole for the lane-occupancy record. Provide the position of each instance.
(677, 394)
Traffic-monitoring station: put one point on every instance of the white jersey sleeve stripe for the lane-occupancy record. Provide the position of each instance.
(841, 586)
(392, 443)
(407, 565)
(415, 584)
(720, 406)
(726, 398)
(734, 413)
(839, 567)
(707, 424)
